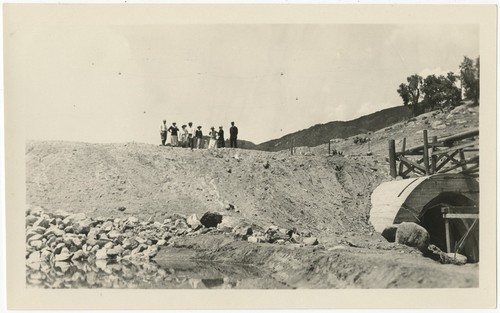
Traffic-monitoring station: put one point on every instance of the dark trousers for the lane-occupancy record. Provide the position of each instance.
(163, 138)
(233, 142)
(191, 142)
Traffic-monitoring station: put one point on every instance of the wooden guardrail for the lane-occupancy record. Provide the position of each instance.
(456, 153)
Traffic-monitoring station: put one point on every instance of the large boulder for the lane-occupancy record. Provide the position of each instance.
(412, 235)
(389, 233)
(211, 219)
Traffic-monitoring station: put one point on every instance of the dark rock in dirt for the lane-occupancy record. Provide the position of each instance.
(412, 235)
(389, 233)
(211, 219)
(121, 208)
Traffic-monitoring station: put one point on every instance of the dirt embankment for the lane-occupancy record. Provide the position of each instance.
(322, 195)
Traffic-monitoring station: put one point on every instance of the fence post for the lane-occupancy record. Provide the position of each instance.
(403, 149)
(329, 147)
(426, 153)
(392, 158)
(433, 157)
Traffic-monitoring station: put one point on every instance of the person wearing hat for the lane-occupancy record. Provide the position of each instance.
(163, 132)
(233, 135)
(184, 135)
(199, 137)
(222, 143)
(212, 144)
(173, 134)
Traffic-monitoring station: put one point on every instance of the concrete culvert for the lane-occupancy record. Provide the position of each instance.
(421, 200)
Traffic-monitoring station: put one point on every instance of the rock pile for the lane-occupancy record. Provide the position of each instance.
(64, 237)
(274, 234)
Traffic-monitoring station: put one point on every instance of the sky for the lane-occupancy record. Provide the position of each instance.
(97, 82)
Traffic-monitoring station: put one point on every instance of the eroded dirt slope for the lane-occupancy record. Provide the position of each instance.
(316, 193)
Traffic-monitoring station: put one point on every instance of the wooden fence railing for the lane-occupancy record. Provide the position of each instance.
(458, 154)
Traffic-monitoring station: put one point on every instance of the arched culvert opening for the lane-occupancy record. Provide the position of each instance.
(431, 218)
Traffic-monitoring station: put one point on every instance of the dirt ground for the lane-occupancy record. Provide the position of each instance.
(328, 196)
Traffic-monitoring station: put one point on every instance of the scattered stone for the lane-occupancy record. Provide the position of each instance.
(78, 255)
(133, 220)
(34, 257)
(310, 241)
(34, 237)
(211, 219)
(42, 222)
(83, 226)
(193, 222)
(107, 226)
(457, 258)
(121, 208)
(243, 231)
(108, 245)
(65, 255)
(252, 239)
(447, 258)
(412, 235)
(115, 234)
(53, 230)
(61, 214)
(114, 252)
(101, 254)
(37, 244)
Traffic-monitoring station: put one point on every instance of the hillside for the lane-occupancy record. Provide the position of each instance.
(316, 196)
(321, 133)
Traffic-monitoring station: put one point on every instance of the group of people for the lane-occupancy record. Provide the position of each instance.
(187, 136)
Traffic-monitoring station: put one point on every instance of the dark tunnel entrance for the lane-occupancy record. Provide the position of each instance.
(432, 220)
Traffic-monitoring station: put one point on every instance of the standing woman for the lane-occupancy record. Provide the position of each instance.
(184, 135)
(173, 134)
(212, 144)
(222, 143)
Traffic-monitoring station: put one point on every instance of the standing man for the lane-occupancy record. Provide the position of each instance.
(199, 137)
(173, 134)
(222, 144)
(190, 131)
(163, 132)
(233, 135)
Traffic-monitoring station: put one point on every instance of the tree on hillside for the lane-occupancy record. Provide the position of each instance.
(440, 92)
(411, 93)
(469, 75)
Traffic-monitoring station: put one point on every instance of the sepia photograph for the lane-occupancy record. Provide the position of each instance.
(164, 150)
